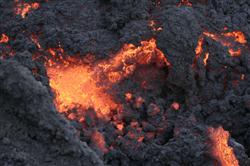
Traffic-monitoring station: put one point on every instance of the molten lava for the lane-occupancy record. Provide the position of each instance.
(79, 85)
(199, 49)
(98, 139)
(206, 58)
(128, 96)
(153, 25)
(220, 150)
(175, 106)
(4, 39)
(229, 40)
(6, 50)
(238, 36)
(34, 38)
(234, 41)
(23, 8)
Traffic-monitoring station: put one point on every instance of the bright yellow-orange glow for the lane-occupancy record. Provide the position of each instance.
(128, 96)
(75, 86)
(23, 8)
(4, 39)
(185, 3)
(228, 40)
(237, 36)
(206, 58)
(198, 50)
(220, 150)
(80, 85)
(125, 61)
(120, 126)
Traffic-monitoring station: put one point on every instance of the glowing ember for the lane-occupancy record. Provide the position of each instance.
(125, 61)
(175, 106)
(34, 38)
(152, 24)
(206, 58)
(242, 77)
(23, 8)
(220, 150)
(140, 139)
(237, 36)
(128, 96)
(229, 40)
(138, 102)
(120, 126)
(199, 49)
(4, 39)
(184, 3)
(83, 86)
(6, 50)
(98, 139)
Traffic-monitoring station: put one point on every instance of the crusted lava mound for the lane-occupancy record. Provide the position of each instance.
(124, 82)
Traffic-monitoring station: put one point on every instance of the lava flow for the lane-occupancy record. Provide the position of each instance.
(233, 41)
(229, 40)
(23, 8)
(220, 150)
(82, 86)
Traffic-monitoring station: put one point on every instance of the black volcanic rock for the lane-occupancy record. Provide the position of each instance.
(32, 132)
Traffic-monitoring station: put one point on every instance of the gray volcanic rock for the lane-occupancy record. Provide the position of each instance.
(32, 133)
(166, 120)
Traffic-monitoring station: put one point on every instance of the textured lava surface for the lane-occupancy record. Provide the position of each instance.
(177, 78)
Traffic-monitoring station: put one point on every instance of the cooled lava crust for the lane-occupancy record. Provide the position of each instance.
(124, 82)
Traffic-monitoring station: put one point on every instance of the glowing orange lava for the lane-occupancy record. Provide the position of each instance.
(229, 40)
(34, 38)
(23, 8)
(128, 96)
(82, 86)
(184, 3)
(120, 126)
(206, 58)
(234, 41)
(220, 150)
(199, 49)
(238, 36)
(98, 139)
(175, 106)
(153, 25)
(4, 39)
